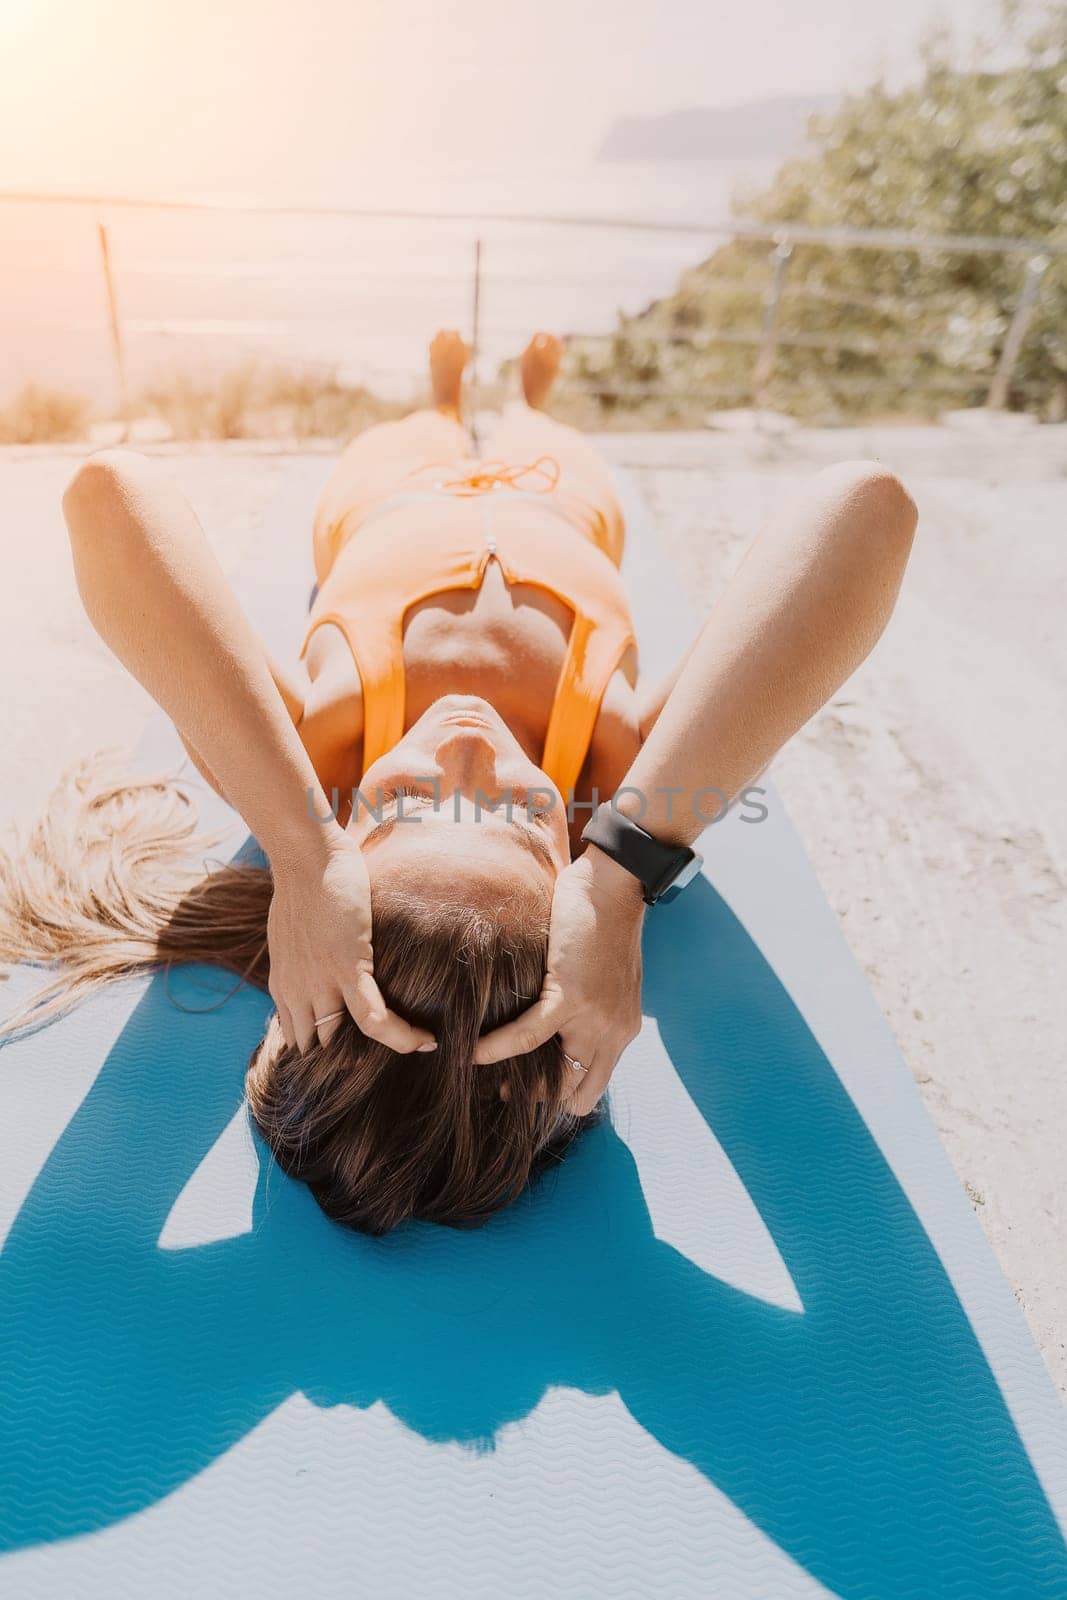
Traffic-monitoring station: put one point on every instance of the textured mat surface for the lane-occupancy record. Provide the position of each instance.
(748, 1342)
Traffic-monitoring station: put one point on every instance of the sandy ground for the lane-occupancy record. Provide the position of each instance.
(929, 792)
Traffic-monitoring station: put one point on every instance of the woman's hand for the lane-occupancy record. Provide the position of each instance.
(321, 957)
(591, 994)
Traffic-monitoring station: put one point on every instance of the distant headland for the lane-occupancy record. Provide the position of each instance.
(754, 130)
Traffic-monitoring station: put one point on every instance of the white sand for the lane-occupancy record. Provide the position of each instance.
(929, 793)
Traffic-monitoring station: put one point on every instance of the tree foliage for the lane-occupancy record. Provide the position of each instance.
(979, 149)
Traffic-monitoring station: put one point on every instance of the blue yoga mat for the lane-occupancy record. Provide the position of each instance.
(747, 1343)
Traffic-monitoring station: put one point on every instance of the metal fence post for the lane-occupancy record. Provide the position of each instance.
(768, 347)
(476, 319)
(1013, 343)
(116, 330)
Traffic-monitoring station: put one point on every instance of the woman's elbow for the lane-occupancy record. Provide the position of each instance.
(103, 528)
(98, 495)
(883, 515)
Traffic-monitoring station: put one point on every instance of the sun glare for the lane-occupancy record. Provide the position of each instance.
(12, 12)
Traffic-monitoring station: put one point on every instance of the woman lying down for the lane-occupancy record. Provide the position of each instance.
(453, 957)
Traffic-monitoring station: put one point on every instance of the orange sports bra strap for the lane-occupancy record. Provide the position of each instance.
(593, 653)
(378, 657)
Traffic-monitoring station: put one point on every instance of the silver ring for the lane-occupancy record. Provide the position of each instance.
(329, 1017)
(575, 1066)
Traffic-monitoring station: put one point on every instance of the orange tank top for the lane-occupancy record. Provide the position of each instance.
(374, 566)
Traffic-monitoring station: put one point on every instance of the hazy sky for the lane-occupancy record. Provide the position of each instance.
(293, 97)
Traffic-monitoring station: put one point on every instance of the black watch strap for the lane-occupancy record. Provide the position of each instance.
(657, 866)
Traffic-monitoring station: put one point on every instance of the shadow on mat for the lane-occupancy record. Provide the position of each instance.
(866, 1435)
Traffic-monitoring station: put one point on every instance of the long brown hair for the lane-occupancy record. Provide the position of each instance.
(112, 881)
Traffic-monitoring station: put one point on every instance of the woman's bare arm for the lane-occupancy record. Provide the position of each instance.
(156, 595)
(652, 698)
(808, 603)
(806, 606)
(293, 693)
(326, 709)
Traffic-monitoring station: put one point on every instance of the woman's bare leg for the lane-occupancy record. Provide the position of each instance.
(524, 433)
(378, 460)
(448, 358)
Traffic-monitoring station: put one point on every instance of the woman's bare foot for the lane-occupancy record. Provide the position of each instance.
(538, 365)
(448, 357)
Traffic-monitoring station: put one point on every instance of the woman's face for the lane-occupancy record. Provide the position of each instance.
(458, 808)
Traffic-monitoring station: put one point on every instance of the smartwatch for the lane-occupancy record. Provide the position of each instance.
(663, 870)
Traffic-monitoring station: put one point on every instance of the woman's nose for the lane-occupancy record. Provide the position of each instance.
(467, 759)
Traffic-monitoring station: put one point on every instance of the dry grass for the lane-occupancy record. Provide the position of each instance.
(262, 400)
(259, 401)
(40, 414)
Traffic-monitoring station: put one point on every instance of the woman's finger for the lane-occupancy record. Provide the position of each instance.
(585, 1094)
(373, 1017)
(285, 1022)
(598, 1063)
(304, 1025)
(329, 1012)
(544, 1018)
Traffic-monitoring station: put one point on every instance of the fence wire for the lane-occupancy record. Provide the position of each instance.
(742, 334)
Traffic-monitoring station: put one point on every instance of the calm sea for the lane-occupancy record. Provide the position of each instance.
(199, 290)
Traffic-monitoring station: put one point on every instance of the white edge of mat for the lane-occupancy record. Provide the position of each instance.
(783, 907)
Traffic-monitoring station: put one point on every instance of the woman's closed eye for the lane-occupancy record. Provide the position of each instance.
(394, 791)
(523, 808)
(386, 801)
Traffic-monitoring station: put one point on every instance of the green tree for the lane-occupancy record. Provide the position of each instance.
(980, 149)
